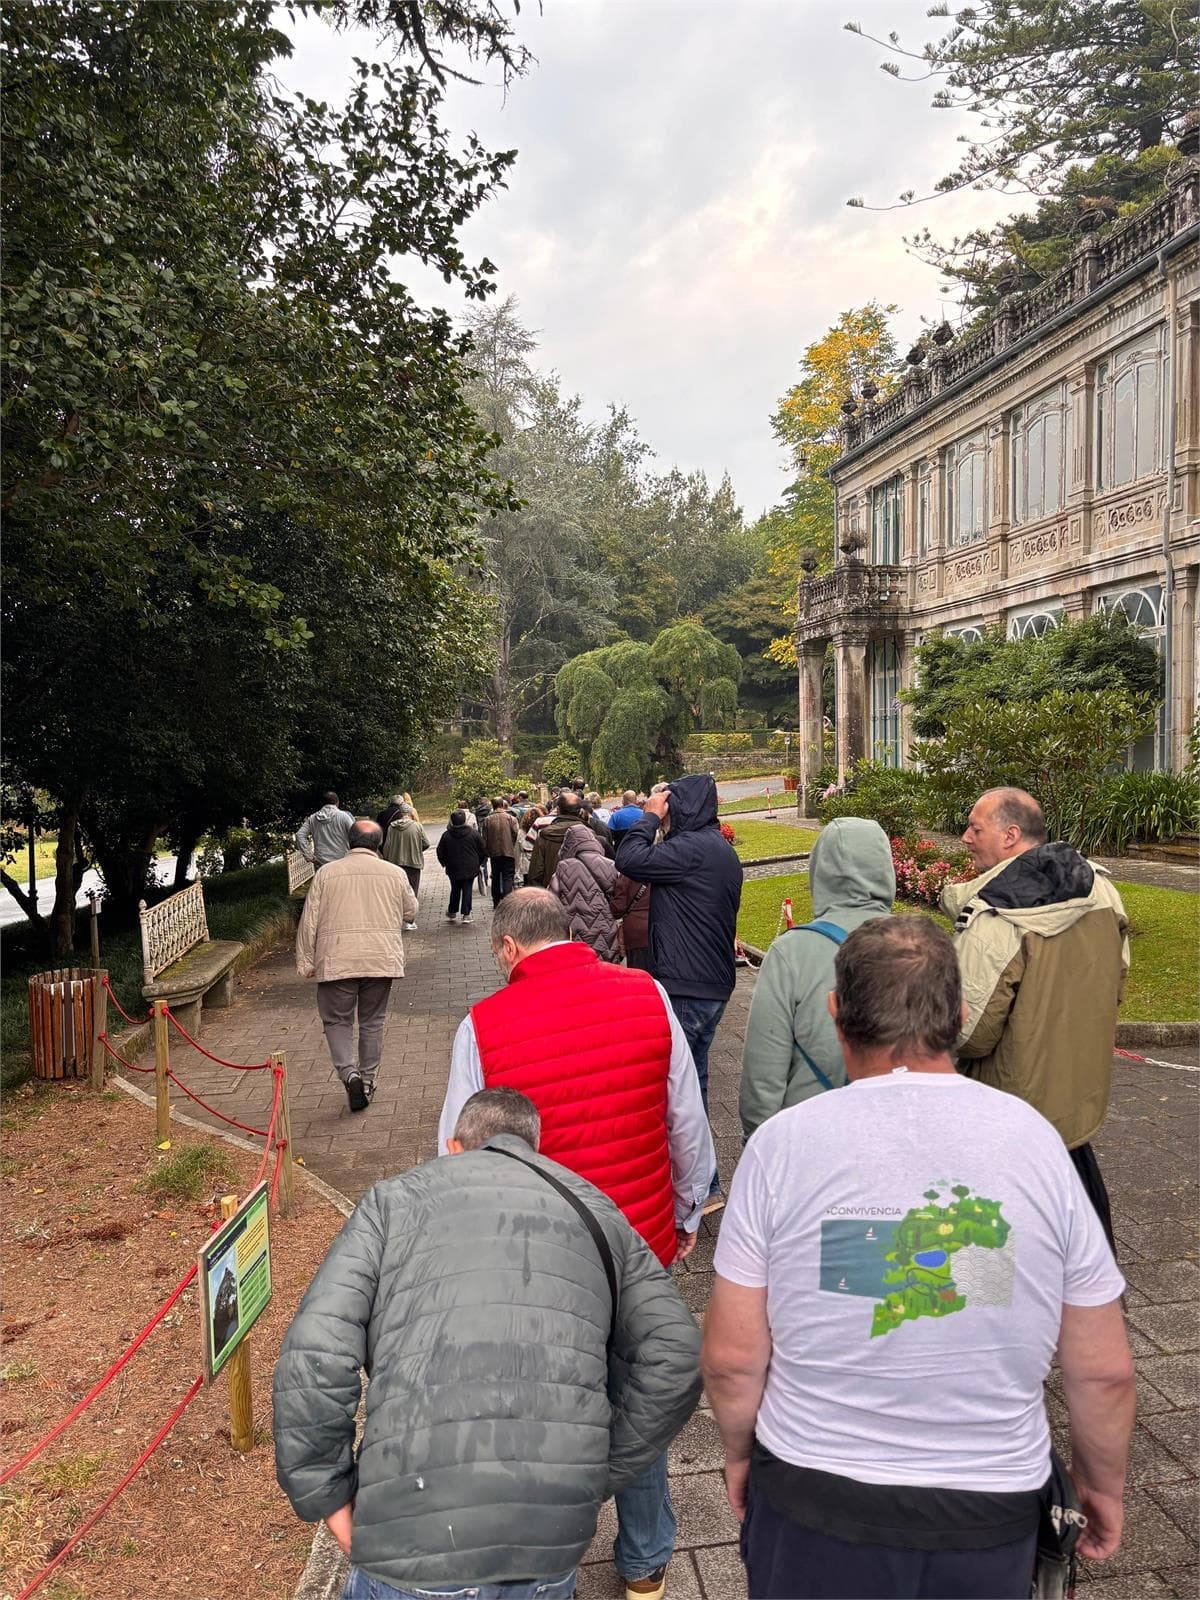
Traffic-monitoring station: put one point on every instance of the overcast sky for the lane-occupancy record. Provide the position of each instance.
(675, 226)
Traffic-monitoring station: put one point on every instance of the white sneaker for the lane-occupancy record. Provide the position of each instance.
(410, 927)
(465, 920)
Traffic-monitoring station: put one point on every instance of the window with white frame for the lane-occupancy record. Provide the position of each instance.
(1039, 456)
(1131, 395)
(1032, 624)
(887, 522)
(968, 632)
(966, 489)
(924, 509)
(1146, 607)
(885, 706)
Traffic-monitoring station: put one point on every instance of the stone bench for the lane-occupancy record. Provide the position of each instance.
(180, 963)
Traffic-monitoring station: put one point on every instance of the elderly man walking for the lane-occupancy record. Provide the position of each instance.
(1041, 937)
(526, 1356)
(899, 1262)
(350, 941)
(599, 1051)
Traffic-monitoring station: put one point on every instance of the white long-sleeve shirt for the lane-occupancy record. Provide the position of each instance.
(689, 1138)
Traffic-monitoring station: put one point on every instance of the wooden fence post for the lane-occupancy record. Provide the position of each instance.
(94, 928)
(99, 1026)
(287, 1176)
(241, 1401)
(162, 1065)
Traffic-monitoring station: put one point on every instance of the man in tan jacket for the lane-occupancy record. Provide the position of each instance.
(350, 941)
(1041, 939)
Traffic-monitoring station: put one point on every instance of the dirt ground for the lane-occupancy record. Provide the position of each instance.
(87, 1254)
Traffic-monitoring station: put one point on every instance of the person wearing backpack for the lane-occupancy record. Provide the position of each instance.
(791, 1049)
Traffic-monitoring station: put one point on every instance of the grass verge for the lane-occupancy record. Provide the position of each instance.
(238, 904)
(1164, 937)
(758, 840)
(780, 799)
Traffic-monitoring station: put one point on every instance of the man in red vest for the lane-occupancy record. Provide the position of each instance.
(600, 1052)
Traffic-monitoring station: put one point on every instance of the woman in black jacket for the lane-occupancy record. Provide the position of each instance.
(461, 852)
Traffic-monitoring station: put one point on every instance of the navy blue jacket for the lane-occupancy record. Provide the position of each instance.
(697, 881)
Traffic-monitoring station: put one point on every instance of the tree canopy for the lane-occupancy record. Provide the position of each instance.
(1077, 102)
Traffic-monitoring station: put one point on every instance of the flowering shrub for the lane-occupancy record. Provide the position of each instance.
(923, 869)
(728, 834)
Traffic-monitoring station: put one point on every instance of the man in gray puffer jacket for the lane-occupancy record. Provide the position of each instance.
(507, 1395)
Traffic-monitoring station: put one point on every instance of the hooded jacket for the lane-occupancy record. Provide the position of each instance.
(478, 1304)
(583, 880)
(1042, 944)
(696, 880)
(325, 836)
(461, 851)
(405, 844)
(547, 845)
(852, 880)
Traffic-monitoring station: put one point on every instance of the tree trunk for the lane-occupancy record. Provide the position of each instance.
(124, 869)
(62, 918)
(27, 903)
(502, 696)
(189, 838)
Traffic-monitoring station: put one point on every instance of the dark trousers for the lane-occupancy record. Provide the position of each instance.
(460, 895)
(413, 874)
(504, 870)
(1088, 1169)
(787, 1562)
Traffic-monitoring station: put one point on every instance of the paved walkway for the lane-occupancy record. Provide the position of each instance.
(1147, 1151)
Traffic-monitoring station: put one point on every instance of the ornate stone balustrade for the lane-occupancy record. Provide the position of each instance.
(857, 596)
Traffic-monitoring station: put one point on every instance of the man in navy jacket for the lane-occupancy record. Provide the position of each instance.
(697, 881)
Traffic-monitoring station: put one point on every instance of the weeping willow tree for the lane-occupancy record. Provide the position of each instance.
(630, 706)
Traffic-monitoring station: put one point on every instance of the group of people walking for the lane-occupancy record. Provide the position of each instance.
(915, 1228)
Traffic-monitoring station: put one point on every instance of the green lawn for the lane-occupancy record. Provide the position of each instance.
(758, 841)
(780, 799)
(1164, 940)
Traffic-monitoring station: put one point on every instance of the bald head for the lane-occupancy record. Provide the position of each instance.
(365, 835)
(1003, 823)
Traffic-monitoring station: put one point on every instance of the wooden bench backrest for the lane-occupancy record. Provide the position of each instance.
(172, 928)
(299, 869)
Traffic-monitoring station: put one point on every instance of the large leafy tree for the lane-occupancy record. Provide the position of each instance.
(1077, 100)
(204, 339)
(630, 706)
(858, 349)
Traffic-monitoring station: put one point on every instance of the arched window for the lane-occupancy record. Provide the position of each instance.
(1130, 388)
(969, 633)
(887, 522)
(1146, 606)
(966, 489)
(1033, 624)
(885, 707)
(1039, 456)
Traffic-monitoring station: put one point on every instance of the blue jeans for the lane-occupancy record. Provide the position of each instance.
(645, 1523)
(699, 1019)
(361, 1586)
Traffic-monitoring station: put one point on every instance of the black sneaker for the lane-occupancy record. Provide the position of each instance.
(356, 1093)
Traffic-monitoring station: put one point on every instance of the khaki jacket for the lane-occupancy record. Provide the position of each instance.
(1041, 985)
(405, 844)
(352, 918)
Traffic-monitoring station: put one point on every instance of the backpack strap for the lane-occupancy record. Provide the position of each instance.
(587, 1217)
(828, 930)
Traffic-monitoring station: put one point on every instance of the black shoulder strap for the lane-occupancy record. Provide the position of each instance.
(586, 1216)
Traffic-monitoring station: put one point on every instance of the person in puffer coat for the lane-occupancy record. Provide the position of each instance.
(507, 1395)
(791, 1050)
(583, 880)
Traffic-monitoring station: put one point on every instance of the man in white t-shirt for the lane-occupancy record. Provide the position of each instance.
(899, 1262)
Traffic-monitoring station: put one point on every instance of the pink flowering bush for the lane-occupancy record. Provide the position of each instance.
(923, 869)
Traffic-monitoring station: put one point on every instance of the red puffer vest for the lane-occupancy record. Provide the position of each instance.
(590, 1044)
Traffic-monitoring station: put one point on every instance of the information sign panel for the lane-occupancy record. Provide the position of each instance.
(235, 1279)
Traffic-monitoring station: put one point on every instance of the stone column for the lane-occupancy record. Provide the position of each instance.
(811, 660)
(852, 701)
(907, 643)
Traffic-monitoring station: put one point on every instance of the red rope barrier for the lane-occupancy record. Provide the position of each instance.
(137, 1466)
(270, 1134)
(280, 1147)
(260, 1133)
(105, 983)
(103, 1037)
(254, 1066)
(131, 1350)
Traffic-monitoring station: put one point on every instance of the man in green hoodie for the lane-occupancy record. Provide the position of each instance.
(791, 1049)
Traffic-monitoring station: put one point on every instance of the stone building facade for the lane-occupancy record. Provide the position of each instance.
(1044, 466)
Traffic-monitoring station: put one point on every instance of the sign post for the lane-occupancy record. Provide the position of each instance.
(162, 1065)
(235, 1289)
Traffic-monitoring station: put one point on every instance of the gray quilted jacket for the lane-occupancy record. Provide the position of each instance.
(477, 1302)
(583, 880)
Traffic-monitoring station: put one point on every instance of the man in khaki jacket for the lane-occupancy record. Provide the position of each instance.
(1041, 939)
(350, 941)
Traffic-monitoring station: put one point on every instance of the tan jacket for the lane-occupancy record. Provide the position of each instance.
(352, 917)
(1041, 985)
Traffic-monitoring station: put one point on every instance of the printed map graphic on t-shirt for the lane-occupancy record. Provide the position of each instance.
(928, 1264)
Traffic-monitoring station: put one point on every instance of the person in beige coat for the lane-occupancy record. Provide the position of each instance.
(350, 941)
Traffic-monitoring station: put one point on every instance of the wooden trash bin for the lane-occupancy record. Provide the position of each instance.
(63, 1007)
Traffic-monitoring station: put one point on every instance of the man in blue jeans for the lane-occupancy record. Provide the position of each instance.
(697, 882)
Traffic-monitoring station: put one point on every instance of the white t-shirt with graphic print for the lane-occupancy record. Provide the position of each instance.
(918, 1235)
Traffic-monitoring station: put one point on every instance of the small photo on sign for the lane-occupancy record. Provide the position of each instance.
(223, 1298)
(235, 1279)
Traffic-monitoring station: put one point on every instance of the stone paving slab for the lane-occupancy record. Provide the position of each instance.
(1147, 1151)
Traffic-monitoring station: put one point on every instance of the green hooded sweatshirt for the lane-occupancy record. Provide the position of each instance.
(852, 880)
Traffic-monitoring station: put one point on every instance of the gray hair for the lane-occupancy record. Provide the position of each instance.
(493, 1111)
(898, 986)
(530, 917)
(365, 835)
(1014, 808)
(396, 799)
(405, 810)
